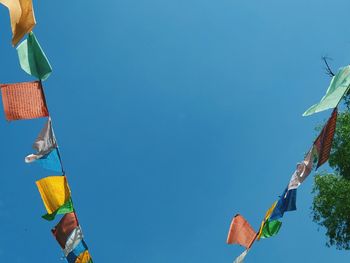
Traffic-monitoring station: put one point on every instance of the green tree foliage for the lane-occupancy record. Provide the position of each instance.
(331, 204)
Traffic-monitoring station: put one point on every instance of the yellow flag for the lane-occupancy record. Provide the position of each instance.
(267, 216)
(84, 257)
(54, 191)
(21, 16)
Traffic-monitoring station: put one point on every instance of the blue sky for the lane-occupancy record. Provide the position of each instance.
(173, 116)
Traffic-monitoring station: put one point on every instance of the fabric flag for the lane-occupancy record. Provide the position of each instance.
(267, 216)
(73, 241)
(271, 228)
(64, 209)
(241, 232)
(23, 101)
(323, 143)
(44, 143)
(339, 86)
(84, 258)
(51, 161)
(287, 202)
(64, 228)
(76, 252)
(54, 191)
(303, 169)
(21, 16)
(33, 59)
(240, 258)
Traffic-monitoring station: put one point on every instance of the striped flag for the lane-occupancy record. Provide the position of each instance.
(323, 143)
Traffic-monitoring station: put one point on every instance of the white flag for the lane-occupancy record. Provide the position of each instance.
(241, 257)
(73, 240)
(303, 170)
(44, 144)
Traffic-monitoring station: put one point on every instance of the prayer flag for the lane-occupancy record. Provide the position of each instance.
(33, 59)
(44, 143)
(54, 191)
(240, 258)
(303, 169)
(271, 228)
(241, 232)
(64, 228)
(73, 240)
(323, 143)
(64, 209)
(23, 101)
(21, 16)
(267, 216)
(339, 86)
(287, 202)
(84, 258)
(77, 251)
(51, 161)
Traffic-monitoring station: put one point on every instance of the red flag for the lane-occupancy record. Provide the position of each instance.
(323, 143)
(64, 228)
(241, 232)
(23, 100)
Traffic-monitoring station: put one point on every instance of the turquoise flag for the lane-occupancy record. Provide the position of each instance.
(339, 86)
(33, 59)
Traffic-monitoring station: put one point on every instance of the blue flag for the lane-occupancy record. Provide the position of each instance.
(51, 161)
(287, 202)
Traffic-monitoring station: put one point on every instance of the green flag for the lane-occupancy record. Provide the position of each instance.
(33, 59)
(339, 86)
(64, 209)
(271, 228)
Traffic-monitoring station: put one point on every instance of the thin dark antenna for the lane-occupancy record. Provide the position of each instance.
(328, 69)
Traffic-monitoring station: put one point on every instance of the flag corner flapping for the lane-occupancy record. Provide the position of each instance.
(339, 85)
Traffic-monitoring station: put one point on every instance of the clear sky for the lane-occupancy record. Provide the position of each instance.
(173, 116)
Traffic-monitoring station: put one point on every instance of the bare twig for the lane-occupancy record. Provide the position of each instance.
(329, 71)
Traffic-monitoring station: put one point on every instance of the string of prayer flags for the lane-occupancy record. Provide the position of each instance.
(241, 232)
(44, 143)
(54, 191)
(73, 240)
(64, 209)
(64, 228)
(267, 216)
(33, 59)
(339, 85)
(27, 101)
(23, 101)
(287, 202)
(270, 228)
(21, 16)
(241, 257)
(323, 143)
(77, 251)
(303, 169)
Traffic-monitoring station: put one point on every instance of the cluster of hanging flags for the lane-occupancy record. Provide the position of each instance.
(241, 232)
(26, 100)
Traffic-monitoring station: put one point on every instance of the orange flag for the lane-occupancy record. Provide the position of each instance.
(23, 101)
(324, 140)
(241, 232)
(21, 16)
